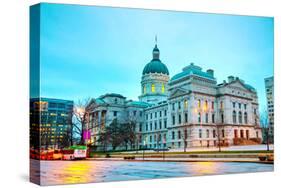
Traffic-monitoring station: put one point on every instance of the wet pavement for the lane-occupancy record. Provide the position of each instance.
(68, 172)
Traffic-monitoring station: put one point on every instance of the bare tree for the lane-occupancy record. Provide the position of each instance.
(80, 119)
(265, 127)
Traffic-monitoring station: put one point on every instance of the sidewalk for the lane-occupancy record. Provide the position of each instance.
(140, 159)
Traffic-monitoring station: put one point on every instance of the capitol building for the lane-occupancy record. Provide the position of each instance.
(189, 109)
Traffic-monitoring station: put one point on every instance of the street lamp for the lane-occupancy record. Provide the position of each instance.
(164, 142)
(143, 149)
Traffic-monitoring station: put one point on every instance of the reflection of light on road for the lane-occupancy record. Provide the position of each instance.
(205, 167)
(77, 172)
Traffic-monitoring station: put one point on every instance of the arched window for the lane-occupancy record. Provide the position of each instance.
(199, 104)
(163, 88)
(152, 88)
(185, 104)
(234, 116)
(245, 118)
(240, 117)
(199, 117)
(205, 106)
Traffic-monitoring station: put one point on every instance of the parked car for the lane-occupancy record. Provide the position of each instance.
(58, 155)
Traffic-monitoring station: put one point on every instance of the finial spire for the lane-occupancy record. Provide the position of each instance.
(156, 52)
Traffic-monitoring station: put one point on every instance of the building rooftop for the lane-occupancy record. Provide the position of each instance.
(193, 70)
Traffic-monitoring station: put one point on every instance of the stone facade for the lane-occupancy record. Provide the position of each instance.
(188, 110)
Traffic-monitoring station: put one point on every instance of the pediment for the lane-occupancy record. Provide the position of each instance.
(238, 85)
(178, 92)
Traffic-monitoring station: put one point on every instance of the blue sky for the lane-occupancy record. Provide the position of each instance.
(88, 51)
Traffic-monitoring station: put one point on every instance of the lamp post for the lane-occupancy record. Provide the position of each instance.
(143, 149)
(164, 142)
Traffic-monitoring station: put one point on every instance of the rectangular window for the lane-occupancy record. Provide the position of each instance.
(174, 121)
(135, 113)
(245, 106)
(151, 126)
(185, 117)
(155, 115)
(160, 124)
(214, 133)
(140, 128)
(165, 124)
(213, 105)
(173, 106)
(179, 119)
(199, 117)
(233, 104)
(213, 118)
(160, 113)
(165, 112)
(155, 125)
(146, 127)
(179, 105)
(206, 117)
(239, 105)
(150, 115)
(200, 133)
(115, 113)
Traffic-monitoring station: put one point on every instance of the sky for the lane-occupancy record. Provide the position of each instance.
(87, 51)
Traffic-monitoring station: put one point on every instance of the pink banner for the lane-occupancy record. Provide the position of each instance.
(87, 134)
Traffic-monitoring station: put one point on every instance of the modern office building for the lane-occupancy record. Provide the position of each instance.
(269, 88)
(50, 122)
(187, 110)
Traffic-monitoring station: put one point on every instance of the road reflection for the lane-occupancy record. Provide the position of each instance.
(204, 168)
(78, 172)
(69, 172)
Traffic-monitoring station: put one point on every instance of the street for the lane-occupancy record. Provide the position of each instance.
(68, 172)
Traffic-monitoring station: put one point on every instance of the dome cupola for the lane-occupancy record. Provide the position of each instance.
(155, 65)
(155, 77)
